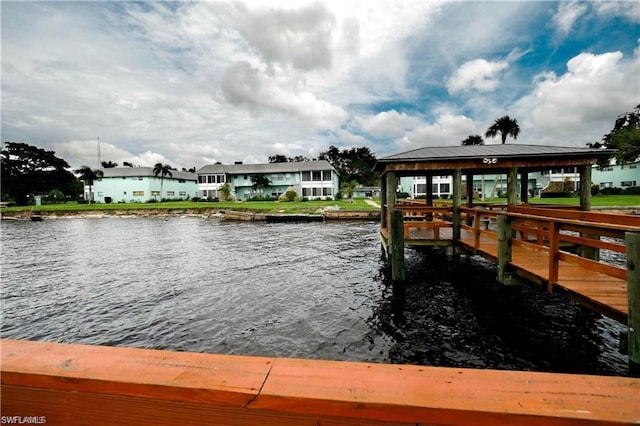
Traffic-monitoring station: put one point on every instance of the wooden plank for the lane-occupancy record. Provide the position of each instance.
(186, 377)
(431, 395)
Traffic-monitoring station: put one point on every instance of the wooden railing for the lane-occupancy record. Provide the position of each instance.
(64, 384)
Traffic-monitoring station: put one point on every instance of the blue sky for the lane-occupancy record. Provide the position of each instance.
(192, 83)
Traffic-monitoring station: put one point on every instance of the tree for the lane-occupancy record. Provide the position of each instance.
(88, 176)
(109, 164)
(505, 126)
(259, 182)
(280, 158)
(624, 137)
(127, 164)
(473, 140)
(28, 170)
(225, 192)
(162, 170)
(352, 164)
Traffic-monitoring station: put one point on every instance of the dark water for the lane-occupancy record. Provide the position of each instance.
(296, 290)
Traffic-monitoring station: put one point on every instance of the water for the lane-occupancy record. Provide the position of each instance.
(296, 290)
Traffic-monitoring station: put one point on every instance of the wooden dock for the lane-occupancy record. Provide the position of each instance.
(539, 248)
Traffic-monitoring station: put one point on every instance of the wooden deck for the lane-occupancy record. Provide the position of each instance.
(538, 251)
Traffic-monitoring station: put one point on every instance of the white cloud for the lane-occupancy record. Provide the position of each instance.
(568, 13)
(628, 9)
(386, 123)
(447, 130)
(585, 100)
(478, 74)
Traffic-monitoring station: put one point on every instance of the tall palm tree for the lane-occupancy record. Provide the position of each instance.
(473, 140)
(505, 126)
(88, 176)
(162, 170)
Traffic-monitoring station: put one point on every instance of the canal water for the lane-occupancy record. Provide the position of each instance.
(315, 290)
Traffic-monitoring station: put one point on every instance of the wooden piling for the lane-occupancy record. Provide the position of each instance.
(632, 240)
(396, 235)
(504, 247)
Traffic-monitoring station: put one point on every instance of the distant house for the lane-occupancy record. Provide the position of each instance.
(140, 184)
(366, 192)
(311, 179)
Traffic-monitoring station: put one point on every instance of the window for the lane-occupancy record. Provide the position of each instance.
(606, 185)
(434, 188)
(138, 193)
(202, 179)
(219, 178)
(317, 176)
(306, 176)
(181, 180)
(327, 191)
(306, 192)
(445, 187)
(100, 194)
(421, 188)
(317, 192)
(170, 193)
(628, 183)
(326, 176)
(182, 193)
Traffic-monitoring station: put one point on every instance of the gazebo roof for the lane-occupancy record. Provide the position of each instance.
(490, 157)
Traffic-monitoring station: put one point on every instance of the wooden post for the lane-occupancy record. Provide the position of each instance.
(524, 186)
(457, 202)
(383, 202)
(554, 253)
(585, 187)
(396, 235)
(469, 196)
(504, 247)
(632, 240)
(429, 181)
(512, 186)
(391, 184)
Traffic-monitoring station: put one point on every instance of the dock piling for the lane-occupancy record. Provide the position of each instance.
(632, 241)
(504, 247)
(396, 235)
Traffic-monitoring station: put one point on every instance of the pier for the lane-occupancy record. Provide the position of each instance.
(556, 247)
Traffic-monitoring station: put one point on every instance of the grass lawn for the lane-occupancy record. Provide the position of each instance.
(254, 206)
(302, 207)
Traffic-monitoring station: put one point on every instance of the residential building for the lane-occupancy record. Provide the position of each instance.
(310, 179)
(140, 184)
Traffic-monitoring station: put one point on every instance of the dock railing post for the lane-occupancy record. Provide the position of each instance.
(396, 235)
(504, 247)
(632, 241)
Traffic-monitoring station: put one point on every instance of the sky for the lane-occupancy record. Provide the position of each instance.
(193, 83)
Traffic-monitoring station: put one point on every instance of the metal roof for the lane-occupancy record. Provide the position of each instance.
(145, 172)
(472, 152)
(289, 167)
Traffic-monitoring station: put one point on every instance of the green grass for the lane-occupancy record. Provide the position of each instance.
(254, 206)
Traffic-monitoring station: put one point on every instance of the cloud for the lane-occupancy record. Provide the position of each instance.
(478, 74)
(568, 13)
(447, 130)
(627, 9)
(585, 100)
(386, 123)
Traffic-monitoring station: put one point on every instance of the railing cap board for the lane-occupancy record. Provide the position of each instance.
(381, 392)
(178, 376)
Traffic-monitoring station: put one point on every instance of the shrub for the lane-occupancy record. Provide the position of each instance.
(402, 195)
(559, 194)
(633, 190)
(290, 195)
(595, 189)
(611, 191)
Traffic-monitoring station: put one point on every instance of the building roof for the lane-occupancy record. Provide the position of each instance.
(469, 153)
(289, 167)
(145, 172)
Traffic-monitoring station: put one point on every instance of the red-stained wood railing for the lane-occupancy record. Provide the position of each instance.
(79, 384)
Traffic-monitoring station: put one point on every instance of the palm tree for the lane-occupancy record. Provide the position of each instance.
(259, 182)
(88, 176)
(109, 164)
(162, 170)
(505, 126)
(473, 140)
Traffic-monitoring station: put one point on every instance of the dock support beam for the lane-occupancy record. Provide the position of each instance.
(632, 240)
(512, 186)
(457, 204)
(504, 248)
(396, 235)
